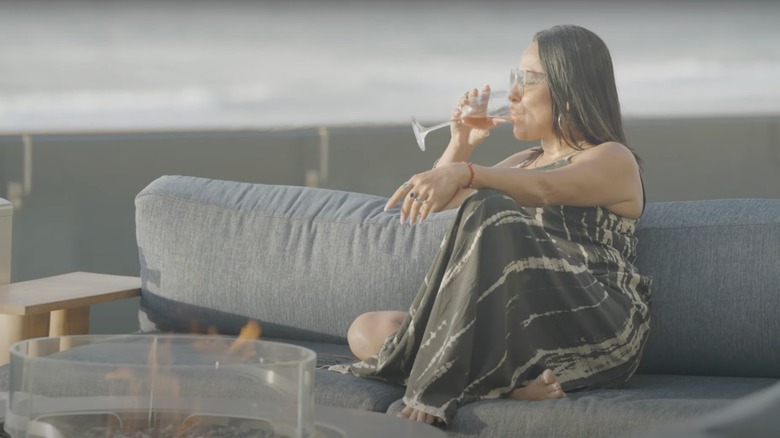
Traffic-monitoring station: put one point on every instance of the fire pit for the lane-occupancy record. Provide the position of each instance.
(161, 386)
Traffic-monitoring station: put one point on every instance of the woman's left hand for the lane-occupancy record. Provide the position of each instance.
(428, 192)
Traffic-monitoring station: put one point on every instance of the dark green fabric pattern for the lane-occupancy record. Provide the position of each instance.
(513, 291)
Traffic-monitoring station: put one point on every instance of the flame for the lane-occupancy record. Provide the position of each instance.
(244, 345)
(251, 330)
(158, 380)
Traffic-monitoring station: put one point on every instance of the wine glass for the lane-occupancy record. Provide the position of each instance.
(487, 110)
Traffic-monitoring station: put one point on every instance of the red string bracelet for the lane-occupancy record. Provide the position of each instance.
(470, 185)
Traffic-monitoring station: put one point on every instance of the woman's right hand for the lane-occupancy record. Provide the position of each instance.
(462, 133)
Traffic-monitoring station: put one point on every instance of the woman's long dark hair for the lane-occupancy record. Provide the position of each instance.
(581, 79)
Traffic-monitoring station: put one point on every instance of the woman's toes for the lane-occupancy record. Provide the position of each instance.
(406, 412)
(556, 391)
(545, 387)
(416, 415)
(548, 377)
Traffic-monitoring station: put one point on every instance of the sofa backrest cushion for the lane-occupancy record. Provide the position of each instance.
(716, 286)
(303, 262)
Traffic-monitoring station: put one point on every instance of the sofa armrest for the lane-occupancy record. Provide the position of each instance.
(56, 306)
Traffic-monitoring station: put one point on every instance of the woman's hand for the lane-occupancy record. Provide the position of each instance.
(461, 132)
(429, 192)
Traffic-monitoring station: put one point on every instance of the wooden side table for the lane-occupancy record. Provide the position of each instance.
(56, 306)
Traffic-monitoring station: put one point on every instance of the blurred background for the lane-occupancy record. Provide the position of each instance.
(97, 99)
(86, 66)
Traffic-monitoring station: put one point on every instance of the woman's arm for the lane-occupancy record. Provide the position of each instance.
(512, 160)
(603, 175)
(441, 187)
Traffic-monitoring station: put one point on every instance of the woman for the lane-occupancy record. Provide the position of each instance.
(533, 292)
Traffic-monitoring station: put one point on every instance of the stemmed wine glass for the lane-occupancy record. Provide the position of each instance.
(487, 110)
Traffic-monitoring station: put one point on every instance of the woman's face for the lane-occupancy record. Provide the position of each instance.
(531, 104)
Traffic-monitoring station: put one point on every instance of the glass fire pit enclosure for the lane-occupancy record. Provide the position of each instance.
(159, 386)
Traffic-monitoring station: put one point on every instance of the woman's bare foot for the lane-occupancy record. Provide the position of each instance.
(544, 387)
(415, 415)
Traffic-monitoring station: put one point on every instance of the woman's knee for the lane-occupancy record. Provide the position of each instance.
(378, 321)
(360, 327)
(369, 330)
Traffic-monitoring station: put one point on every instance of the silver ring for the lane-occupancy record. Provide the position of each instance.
(405, 185)
(412, 195)
(419, 201)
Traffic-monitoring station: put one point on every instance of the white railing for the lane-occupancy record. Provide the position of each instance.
(6, 217)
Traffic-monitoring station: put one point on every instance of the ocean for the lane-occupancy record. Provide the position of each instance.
(135, 65)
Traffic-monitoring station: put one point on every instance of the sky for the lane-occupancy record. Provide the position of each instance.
(136, 65)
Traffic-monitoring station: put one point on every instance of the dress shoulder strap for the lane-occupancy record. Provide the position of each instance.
(537, 151)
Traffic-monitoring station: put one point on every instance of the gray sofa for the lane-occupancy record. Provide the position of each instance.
(305, 262)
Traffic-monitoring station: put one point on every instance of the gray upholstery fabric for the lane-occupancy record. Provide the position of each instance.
(646, 401)
(345, 391)
(716, 289)
(754, 416)
(305, 262)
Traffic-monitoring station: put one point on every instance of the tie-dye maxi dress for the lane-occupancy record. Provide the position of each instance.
(514, 291)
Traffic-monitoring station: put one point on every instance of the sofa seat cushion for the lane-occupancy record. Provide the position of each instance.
(754, 416)
(646, 401)
(346, 391)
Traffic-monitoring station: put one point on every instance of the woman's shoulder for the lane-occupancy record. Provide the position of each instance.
(610, 150)
(606, 147)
